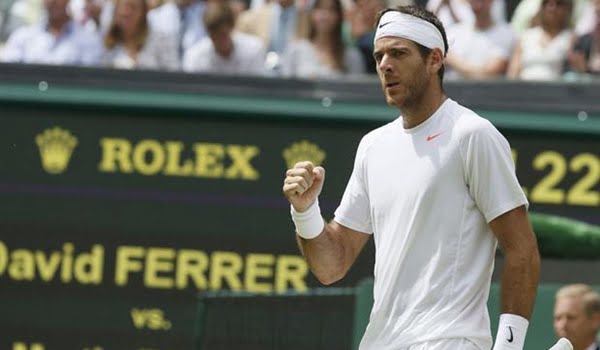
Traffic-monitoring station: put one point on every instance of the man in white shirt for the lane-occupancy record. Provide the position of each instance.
(437, 190)
(225, 51)
(57, 41)
(181, 19)
(480, 50)
(577, 316)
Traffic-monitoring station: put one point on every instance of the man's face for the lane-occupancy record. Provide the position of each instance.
(481, 7)
(221, 39)
(183, 3)
(402, 71)
(286, 3)
(56, 9)
(572, 322)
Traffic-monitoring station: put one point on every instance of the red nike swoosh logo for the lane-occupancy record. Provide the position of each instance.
(431, 137)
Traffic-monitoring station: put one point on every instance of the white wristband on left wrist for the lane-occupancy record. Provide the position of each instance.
(512, 330)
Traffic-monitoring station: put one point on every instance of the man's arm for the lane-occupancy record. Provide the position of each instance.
(521, 261)
(519, 276)
(331, 254)
(330, 249)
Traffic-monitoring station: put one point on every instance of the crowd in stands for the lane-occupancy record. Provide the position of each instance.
(313, 39)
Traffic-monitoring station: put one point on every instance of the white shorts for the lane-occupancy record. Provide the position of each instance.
(445, 344)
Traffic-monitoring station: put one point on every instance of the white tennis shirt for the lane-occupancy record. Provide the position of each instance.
(427, 195)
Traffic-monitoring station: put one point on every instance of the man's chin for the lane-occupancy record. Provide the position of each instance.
(395, 102)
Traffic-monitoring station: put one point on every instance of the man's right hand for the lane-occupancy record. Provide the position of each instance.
(303, 184)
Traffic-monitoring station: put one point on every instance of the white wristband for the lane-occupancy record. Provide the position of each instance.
(309, 223)
(512, 330)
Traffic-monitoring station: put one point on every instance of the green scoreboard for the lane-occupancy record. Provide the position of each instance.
(118, 207)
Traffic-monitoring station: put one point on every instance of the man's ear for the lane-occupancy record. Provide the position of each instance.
(436, 60)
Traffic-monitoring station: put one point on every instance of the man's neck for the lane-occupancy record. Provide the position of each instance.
(586, 344)
(421, 111)
(57, 25)
(483, 22)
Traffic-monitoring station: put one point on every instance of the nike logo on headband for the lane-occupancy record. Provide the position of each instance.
(384, 24)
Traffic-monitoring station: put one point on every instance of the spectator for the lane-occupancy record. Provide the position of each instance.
(275, 23)
(542, 50)
(527, 12)
(585, 55)
(362, 18)
(324, 54)
(453, 12)
(225, 51)
(58, 40)
(181, 19)
(94, 15)
(480, 50)
(577, 316)
(131, 44)
(586, 22)
(19, 13)
(152, 4)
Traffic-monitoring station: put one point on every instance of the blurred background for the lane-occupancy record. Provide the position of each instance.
(144, 143)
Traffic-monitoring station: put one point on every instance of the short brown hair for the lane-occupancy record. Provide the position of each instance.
(217, 15)
(590, 298)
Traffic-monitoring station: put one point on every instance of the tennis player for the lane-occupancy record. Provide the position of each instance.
(436, 188)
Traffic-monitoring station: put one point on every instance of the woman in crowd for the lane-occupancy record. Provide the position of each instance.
(585, 56)
(131, 44)
(324, 54)
(542, 50)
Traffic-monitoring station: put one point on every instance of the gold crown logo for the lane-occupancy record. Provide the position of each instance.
(56, 146)
(302, 151)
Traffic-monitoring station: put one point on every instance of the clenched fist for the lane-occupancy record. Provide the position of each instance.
(303, 184)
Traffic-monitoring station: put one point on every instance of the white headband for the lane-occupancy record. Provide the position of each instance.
(398, 24)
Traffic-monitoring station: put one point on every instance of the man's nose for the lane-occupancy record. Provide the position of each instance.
(385, 64)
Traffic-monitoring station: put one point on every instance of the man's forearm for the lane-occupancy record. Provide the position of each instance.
(324, 255)
(519, 281)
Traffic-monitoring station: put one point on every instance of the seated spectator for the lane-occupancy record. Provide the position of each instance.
(527, 14)
(181, 19)
(362, 18)
(453, 12)
(587, 21)
(131, 44)
(19, 13)
(324, 54)
(480, 50)
(542, 50)
(577, 316)
(276, 23)
(585, 55)
(225, 51)
(58, 40)
(94, 15)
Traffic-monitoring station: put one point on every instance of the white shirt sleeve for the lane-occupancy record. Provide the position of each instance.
(14, 49)
(256, 59)
(490, 172)
(92, 48)
(354, 210)
(190, 59)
